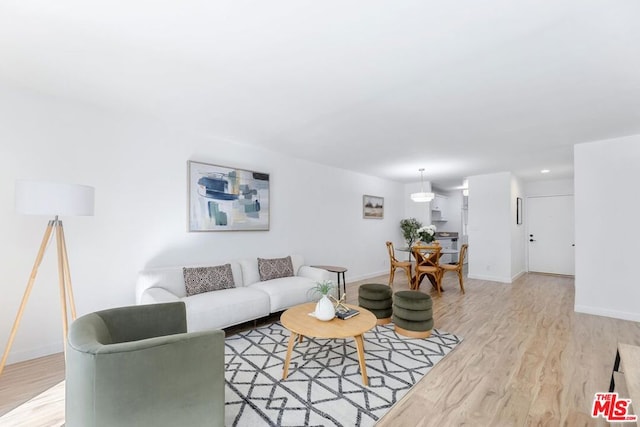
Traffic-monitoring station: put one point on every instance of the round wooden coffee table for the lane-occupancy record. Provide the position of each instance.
(298, 321)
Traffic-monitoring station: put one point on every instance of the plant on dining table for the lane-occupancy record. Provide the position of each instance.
(410, 227)
(427, 233)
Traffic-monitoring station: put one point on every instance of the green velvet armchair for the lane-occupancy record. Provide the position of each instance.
(138, 366)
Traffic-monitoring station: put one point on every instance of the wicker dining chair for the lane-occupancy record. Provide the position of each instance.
(457, 267)
(428, 263)
(394, 264)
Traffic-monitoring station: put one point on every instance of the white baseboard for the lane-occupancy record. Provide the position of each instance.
(368, 276)
(490, 278)
(515, 277)
(623, 315)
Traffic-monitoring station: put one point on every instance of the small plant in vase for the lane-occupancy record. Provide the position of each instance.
(324, 308)
(427, 234)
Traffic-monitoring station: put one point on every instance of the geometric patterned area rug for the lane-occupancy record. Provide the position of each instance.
(324, 386)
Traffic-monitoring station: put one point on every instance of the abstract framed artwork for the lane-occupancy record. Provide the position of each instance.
(372, 207)
(518, 210)
(223, 198)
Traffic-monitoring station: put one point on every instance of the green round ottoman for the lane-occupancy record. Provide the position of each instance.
(412, 314)
(378, 299)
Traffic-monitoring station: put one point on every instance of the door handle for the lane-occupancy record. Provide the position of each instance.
(531, 240)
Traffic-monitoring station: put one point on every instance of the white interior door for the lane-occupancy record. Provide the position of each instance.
(551, 234)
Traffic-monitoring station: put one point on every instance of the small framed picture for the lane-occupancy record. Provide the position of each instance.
(518, 210)
(372, 207)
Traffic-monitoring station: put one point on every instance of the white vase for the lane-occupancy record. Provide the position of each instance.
(325, 309)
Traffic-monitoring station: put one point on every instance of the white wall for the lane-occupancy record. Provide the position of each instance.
(552, 187)
(496, 242)
(490, 227)
(518, 231)
(607, 208)
(138, 168)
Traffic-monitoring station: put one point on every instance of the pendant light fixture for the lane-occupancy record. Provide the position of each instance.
(422, 196)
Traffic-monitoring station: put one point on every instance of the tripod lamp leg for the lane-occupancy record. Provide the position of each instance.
(61, 281)
(34, 272)
(67, 274)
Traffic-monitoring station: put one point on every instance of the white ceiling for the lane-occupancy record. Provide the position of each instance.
(380, 87)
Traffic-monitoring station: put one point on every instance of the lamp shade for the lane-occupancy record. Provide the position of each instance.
(422, 196)
(52, 198)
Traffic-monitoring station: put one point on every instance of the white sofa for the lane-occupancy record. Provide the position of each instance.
(249, 300)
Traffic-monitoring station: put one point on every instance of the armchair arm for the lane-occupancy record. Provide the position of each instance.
(139, 322)
(150, 344)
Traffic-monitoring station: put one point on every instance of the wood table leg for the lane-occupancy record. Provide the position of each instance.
(292, 342)
(363, 366)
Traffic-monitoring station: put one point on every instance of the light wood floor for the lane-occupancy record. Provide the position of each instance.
(526, 359)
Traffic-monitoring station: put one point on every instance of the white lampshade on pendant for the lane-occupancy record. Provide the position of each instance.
(422, 196)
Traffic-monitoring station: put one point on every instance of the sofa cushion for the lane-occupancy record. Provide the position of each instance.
(250, 273)
(275, 268)
(206, 279)
(225, 308)
(286, 291)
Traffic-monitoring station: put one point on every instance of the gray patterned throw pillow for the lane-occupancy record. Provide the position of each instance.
(205, 279)
(275, 268)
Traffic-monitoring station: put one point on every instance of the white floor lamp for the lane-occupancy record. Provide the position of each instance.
(51, 199)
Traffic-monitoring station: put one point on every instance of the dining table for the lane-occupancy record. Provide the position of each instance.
(443, 251)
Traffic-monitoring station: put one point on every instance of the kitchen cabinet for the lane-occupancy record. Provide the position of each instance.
(449, 244)
(439, 208)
